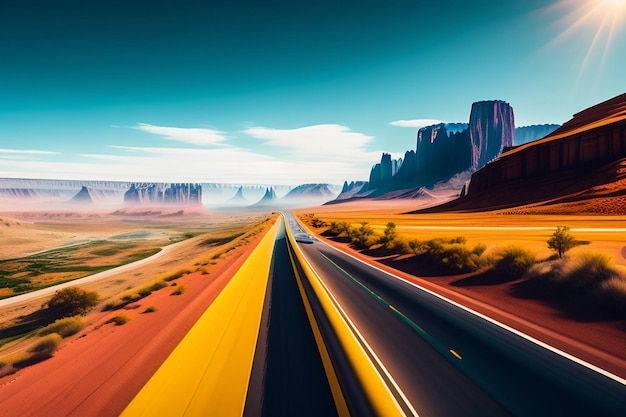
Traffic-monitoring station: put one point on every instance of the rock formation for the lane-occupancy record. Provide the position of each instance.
(238, 199)
(526, 134)
(491, 128)
(268, 199)
(593, 137)
(447, 149)
(308, 191)
(82, 197)
(352, 189)
(164, 194)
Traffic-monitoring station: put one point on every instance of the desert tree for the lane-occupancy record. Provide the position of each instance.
(389, 235)
(71, 301)
(561, 240)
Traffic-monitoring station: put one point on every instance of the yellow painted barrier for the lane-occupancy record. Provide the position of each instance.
(377, 392)
(208, 373)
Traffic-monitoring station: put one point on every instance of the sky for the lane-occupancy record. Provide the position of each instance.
(281, 92)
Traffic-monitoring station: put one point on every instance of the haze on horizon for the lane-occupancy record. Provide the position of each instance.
(252, 92)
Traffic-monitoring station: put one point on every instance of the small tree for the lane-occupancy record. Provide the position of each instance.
(389, 235)
(561, 240)
(361, 235)
(72, 301)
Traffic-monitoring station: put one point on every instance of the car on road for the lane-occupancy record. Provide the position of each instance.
(304, 238)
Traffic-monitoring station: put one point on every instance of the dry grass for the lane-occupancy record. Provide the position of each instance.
(64, 327)
(118, 320)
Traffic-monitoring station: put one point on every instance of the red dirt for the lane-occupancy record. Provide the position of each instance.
(600, 343)
(98, 371)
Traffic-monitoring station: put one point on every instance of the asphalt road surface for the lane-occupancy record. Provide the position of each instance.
(443, 360)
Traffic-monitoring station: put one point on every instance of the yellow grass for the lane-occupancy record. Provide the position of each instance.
(492, 229)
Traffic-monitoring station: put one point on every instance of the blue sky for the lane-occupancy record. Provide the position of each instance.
(281, 92)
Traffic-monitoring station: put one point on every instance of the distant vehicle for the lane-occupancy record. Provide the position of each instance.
(304, 238)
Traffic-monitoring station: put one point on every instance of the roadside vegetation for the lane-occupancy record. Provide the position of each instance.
(587, 284)
(64, 264)
(118, 320)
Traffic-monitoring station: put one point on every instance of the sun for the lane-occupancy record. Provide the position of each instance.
(600, 22)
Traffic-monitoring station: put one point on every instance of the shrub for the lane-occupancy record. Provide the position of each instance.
(177, 274)
(362, 236)
(179, 290)
(46, 345)
(150, 309)
(72, 301)
(64, 327)
(389, 235)
(118, 320)
(589, 270)
(148, 289)
(513, 262)
(561, 240)
(2, 364)
(459, 258)
(610, 297)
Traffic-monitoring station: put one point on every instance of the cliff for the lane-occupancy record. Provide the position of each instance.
(491, 128)
(445, 150)
(164, 194)
(82, 197)
(570, 168)
(526, 134)
(268, 199)
(350, 190)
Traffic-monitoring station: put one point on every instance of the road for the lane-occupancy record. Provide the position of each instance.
(442, 359)
(45, 292)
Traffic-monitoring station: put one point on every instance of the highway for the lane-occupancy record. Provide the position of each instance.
(439, 359)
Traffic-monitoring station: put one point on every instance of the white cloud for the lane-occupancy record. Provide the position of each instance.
(318, 142)
(27, 152)
(325, 153)
(415, 123)
(194, 136)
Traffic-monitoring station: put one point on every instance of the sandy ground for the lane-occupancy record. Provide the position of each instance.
(599, 343)
(98, 371)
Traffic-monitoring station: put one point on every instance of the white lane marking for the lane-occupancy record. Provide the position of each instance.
(497, 323)
(364, 343)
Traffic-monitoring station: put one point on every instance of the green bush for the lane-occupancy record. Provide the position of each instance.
(64, 327)
(459, 258)
(362, 236)
(150, 309)
(46, 345)
(71, 301)
(512, 262)
(118, 320)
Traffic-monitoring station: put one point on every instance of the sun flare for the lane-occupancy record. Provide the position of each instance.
(594, 22)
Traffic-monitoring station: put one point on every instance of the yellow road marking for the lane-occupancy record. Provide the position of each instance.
(209, 371)
(331, 375)
(456, 355)
(379, 395)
